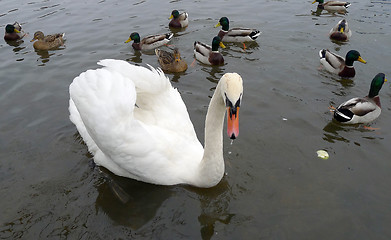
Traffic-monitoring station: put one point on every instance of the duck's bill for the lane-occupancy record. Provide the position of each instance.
(171, 17)
(232, 122)
(222, 45)
(361, 60)
(217, 25)
(16, 30)
(130, 39)
(314, 2)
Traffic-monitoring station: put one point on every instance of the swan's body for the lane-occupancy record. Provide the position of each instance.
(136, 124)
(362, 109)
(341, 31)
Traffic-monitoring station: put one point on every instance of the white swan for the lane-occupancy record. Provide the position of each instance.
(137, 125)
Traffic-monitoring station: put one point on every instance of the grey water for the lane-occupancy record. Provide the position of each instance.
(275, 186)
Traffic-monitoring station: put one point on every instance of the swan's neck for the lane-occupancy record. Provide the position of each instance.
(212, 165)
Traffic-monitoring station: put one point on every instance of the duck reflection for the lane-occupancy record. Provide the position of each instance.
(176, 76)
(136, 58)
(44, 56)
(128, 202)
(215, 73)
(330, 132)
(345, 82)
(15, 43)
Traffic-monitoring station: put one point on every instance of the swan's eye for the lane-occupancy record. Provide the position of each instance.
(237, 104)
(228, 103)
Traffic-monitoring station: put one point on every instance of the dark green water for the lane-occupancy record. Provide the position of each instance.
(275, 186)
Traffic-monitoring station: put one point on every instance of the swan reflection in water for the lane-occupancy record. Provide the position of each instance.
(135, 204)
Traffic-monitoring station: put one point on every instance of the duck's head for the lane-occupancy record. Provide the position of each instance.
(224, 22)
(216, 42)
(177, 55)
(342, 26)
(135, 37)
(174, 14)
(11, 29)
(377, 84)
(352, 56)
(232, 92)
(38, 36)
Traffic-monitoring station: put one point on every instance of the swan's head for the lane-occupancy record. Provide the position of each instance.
(232, 92)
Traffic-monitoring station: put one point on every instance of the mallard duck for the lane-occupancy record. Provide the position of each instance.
(209, 55)
(339, 65)
(332, 6)
(47, 42)
(149, 42)
(171, 61)
(137, 126)
(362, 110)
(178, 20)
(341, 31)
(13, 32)
(236, 34)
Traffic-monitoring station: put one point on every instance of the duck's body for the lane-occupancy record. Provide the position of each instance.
(171, 61)
(13, 32)
(236, 34)
(339, 65)
(207, 54)
(178, 20)
(47, 42)
(332, 6)
(362, 109)
(137, 126)
(341, 31)
(149, 42)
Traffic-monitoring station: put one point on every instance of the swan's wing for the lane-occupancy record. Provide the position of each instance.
(158, 103)
(145, 148)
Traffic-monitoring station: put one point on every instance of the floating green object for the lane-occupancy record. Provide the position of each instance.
(322, 154)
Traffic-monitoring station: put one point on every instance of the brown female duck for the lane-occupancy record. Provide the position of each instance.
(171, 61)
(47, 42)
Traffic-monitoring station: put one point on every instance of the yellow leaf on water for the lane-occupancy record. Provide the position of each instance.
(322, 154)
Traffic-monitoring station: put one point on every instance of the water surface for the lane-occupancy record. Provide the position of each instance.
(275, 186)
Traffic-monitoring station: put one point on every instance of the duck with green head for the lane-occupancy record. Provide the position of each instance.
(149, 42)
(48, 42)
(332, 6)
(178, 20)
(13, 32)
(341, 31)
(362, 109)
(339, 65)
(207, 54)
(236, 34)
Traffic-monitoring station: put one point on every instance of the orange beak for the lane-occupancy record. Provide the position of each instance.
(233, 122)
